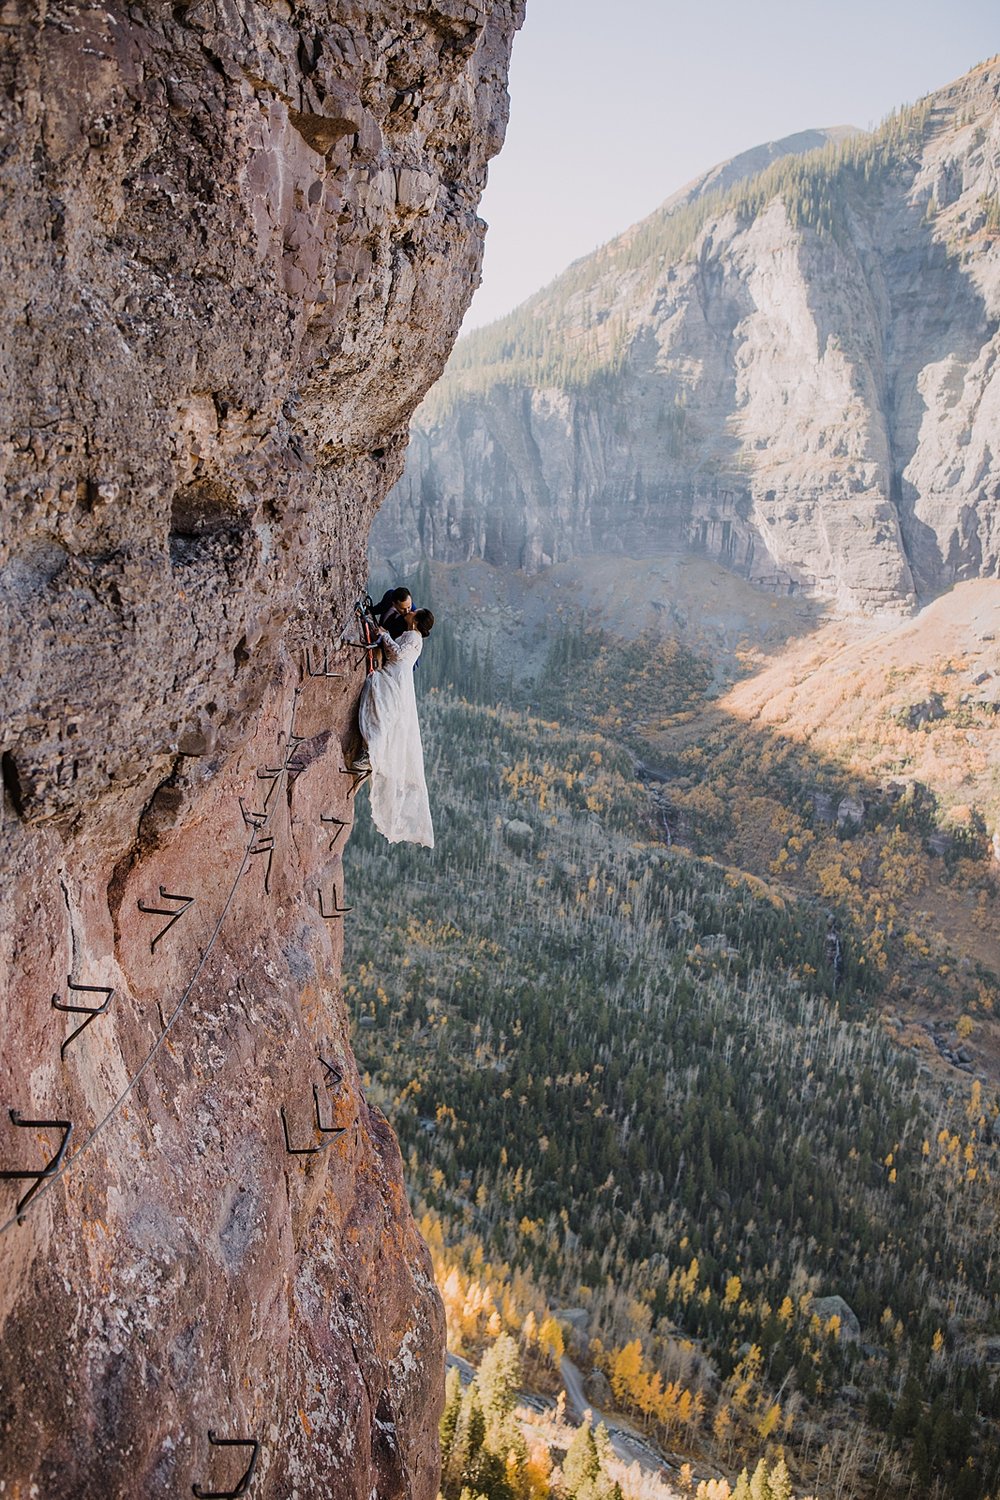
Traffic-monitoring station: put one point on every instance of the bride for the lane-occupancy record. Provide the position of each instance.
(388, 719)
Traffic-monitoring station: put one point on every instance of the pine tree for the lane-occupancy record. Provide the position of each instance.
(780, 1481)
(497, 1382)
(584, 1470)
(480, 1468)
(467, 1437)
(581, 1463)
(450, 1415)
(760, 1489)
(742, 1490)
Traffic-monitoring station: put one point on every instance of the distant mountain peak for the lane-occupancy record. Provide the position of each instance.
(725, 174)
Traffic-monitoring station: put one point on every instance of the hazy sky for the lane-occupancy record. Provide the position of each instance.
(616, 103)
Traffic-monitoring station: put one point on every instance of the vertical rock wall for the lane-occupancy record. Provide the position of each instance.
(236, 241)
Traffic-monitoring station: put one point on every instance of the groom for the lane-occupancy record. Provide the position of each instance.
(393, 609)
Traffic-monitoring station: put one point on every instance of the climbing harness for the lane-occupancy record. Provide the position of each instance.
(364, 611)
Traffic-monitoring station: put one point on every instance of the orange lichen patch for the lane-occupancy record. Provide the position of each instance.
(306, 1424)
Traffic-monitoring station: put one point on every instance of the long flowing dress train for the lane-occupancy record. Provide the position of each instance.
(388, 719)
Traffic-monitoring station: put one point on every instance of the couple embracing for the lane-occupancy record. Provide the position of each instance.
(388, 720)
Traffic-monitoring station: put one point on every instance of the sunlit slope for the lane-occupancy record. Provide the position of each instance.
(915, 701)
(904, 714)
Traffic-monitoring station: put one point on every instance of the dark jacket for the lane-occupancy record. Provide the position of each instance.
(388, 615)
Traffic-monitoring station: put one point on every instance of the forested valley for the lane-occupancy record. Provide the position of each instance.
(634, 1076)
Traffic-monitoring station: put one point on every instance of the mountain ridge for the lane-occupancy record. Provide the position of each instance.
(795, 377)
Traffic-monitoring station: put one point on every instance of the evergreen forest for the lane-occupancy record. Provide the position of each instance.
(634, 1078)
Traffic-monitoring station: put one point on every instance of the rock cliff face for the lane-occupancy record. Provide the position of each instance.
(236, 242)
(799, 378)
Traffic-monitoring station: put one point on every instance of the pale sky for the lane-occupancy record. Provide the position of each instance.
(617, 103)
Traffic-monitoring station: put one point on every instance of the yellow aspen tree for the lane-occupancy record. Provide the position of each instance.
(670, 1403)
(696, 1414)
(625, 1370)
(745, 1376)
(550, 1339)
(769, 1421)
(648, 1393)
(689, 1279)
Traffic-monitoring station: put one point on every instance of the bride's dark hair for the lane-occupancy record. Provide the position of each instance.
(423, 621)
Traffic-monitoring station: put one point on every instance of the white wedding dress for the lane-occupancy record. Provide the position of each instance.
(388, 719)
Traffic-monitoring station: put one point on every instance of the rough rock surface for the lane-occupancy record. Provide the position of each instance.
(848, 1326)
(236, 241)
(817, 410)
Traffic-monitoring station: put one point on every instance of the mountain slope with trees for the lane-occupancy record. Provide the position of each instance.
(794, 375)
(635, 1081)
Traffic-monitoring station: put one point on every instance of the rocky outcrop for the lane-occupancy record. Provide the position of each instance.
(237, 240)
(800, 382)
